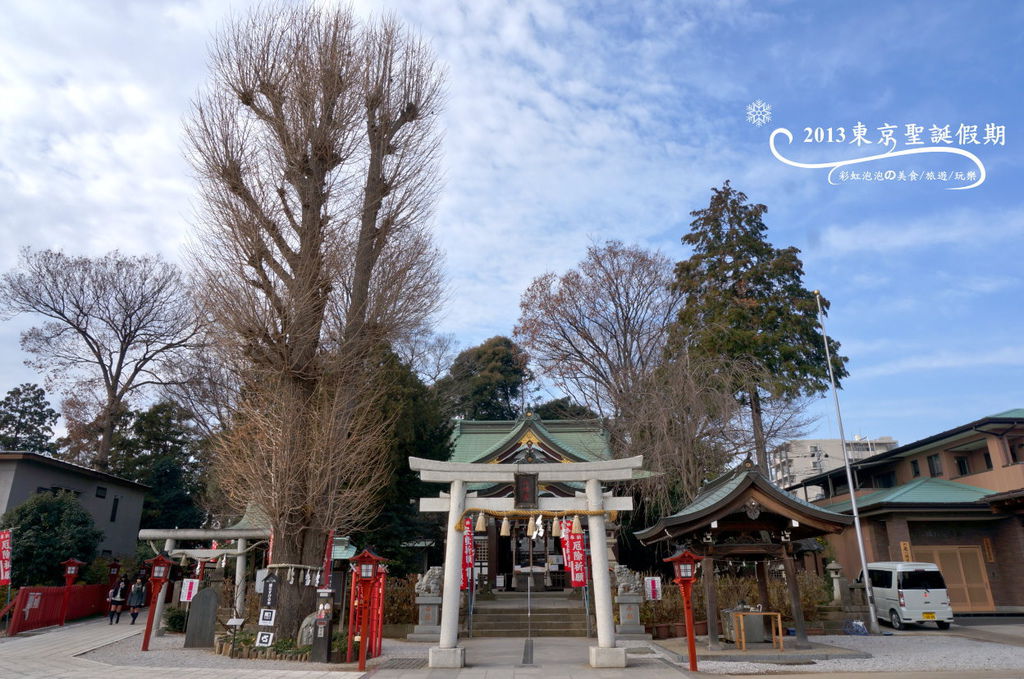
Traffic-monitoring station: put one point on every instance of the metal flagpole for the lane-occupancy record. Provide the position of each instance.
(868, 592)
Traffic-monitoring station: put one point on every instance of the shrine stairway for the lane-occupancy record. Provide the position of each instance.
(553, 614)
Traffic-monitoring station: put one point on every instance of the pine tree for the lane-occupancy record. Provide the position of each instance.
(745, 300)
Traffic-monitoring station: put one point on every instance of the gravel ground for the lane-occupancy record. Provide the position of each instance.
(894, 654)
(169, 651)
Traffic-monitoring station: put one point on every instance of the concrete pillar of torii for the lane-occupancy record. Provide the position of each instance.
(605, 654)
(447, 654)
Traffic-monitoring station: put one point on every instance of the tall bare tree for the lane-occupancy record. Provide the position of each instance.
(112, 325)
(316, 144)
(598, 330)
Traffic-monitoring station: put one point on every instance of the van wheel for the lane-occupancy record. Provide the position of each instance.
(894, 620)
(942, 624)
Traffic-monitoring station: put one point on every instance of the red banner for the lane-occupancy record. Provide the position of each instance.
(325, 580)
(576, 561)
(5, 557)
(468, 551)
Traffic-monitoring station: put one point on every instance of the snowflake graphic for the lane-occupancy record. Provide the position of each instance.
(759, 113)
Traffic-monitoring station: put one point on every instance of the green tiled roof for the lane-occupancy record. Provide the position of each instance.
(920, 491)
(718, 497)
(723, 486)
(1016, 412)
(473, 440)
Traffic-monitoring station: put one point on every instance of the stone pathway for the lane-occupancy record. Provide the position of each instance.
(54, 654)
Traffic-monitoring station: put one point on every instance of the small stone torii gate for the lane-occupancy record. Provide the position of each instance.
(594, 503)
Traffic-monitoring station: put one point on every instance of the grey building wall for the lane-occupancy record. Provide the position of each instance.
(22, 478)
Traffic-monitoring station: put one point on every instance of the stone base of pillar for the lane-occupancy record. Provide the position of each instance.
(451, 658)
(629, 617)
(606, 657)
(429, 627)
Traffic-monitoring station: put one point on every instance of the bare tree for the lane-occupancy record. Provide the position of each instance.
(113, 324)
(598, 330)
(683, 421)
(430, 355)
(316, 144)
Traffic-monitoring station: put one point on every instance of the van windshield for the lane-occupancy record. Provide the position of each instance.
(921, 580)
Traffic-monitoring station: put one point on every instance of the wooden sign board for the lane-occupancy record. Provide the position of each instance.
(905, 552)
(526, 491)
(269, 592)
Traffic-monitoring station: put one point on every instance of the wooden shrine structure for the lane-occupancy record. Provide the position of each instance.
(742, 515)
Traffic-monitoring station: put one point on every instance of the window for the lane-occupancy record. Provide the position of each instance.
(880, 578)
(921, 579)
(988, 461)
(963, 467)
(113, 509)
(915, 468)
(885, 480)
(934, 465)
(101, 491)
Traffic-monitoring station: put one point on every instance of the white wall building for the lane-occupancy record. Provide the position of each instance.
(797, 460)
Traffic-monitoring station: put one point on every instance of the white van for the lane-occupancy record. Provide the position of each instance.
(910, 592)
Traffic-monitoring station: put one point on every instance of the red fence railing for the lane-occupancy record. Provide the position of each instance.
(36, 607)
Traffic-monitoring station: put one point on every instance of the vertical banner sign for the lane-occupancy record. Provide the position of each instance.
(652, 588)
(577, 561)
(328, 551)
(905, 552)
(566, 527)
(189, 587)
(5, 557)
(468, 551)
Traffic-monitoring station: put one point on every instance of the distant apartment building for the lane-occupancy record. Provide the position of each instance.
(797, 460)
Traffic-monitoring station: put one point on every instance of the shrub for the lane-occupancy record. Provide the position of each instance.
(400, 601)
(175, 619)
(50, 529)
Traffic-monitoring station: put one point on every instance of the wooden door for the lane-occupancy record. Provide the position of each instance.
(963, 569)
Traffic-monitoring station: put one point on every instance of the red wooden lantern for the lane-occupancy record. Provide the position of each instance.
(684, 563)
(366, 606)
(113, 570)
(72, 567)
(161, 567)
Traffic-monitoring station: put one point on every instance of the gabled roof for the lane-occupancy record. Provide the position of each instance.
(927, 491)
(994, 424)
(480, 440)
(45, 460)
(723, 496)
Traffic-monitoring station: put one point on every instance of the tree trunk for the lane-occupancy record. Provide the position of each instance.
(102, 459)
(759, 444)
(296, 599)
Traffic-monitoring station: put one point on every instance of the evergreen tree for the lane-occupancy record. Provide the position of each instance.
(486, 382)
(563, 409)
(421, 430)
(48, 529)
(26, 420)
(161, 448)
(745, 300)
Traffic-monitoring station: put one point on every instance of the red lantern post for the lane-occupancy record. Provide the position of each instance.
(113, 571)
(367, 605)
(161, 572)
(71, 570)
(684, 562)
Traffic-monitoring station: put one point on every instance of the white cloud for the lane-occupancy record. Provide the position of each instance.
(1008, 356)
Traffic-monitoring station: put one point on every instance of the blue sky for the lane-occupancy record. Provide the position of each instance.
(576, 121)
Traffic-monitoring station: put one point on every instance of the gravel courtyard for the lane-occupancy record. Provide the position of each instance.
(903, 652)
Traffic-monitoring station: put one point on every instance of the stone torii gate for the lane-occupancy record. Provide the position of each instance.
(594, 503)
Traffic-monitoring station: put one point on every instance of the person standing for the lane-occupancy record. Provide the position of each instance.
(117, 595)
(136, 598)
